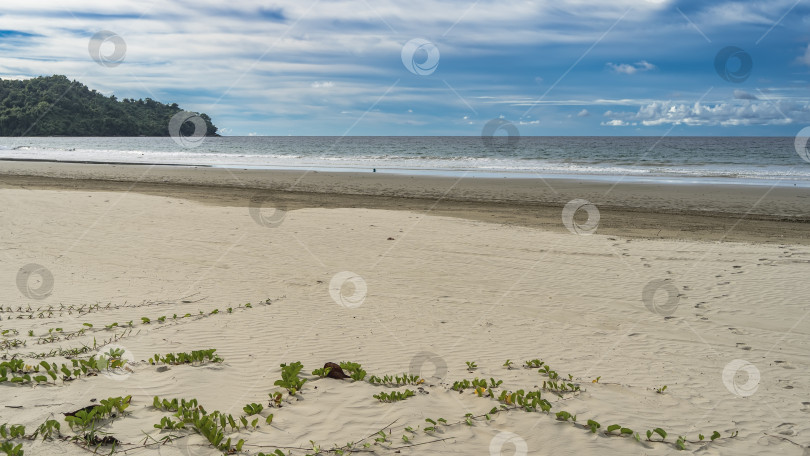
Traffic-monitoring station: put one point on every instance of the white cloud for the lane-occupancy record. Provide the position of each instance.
(323, 85)
(583, 113)
(748, 112)
(805, 59)
(626, 68)
(743, 95)
(615, 123)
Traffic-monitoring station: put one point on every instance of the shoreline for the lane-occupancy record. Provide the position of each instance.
(724, 179)
(633, 210)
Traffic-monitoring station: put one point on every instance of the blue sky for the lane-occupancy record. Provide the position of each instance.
(318, 67)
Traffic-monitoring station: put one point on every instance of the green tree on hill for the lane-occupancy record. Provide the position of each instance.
(55, 106)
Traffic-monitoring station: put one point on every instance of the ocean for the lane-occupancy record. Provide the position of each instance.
(729, 160)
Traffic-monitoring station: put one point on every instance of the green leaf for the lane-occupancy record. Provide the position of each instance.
(715, 436)
(661, 432)
(613, 427)
(269, 419)
(626, 430)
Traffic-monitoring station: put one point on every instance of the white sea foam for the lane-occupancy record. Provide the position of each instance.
(445, 157)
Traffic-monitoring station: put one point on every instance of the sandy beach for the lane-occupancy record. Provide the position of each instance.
(699, 289)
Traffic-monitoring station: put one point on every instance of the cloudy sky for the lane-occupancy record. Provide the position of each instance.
(421, 67)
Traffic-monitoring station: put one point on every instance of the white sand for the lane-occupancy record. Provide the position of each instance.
(462, 290)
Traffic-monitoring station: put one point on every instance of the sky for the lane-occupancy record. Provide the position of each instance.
(420, 67)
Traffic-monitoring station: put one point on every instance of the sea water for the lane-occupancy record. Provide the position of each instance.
(732, 160)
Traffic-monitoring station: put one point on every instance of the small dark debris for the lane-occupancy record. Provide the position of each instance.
(83, 409)
(391, 239)
(93, 439)
(335, 371)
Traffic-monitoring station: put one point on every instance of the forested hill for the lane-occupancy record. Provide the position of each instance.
(56, 106)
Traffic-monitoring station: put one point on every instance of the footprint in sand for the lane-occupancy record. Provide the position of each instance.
(786, 429)
(723, 283)
(784, 364)
(805, 407)
(743, 346)
(738, 332)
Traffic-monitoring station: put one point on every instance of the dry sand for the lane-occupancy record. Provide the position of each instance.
(442, 283)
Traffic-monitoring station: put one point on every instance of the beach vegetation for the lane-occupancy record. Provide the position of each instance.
(393, 396)
(290, 379)
(354, 370)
